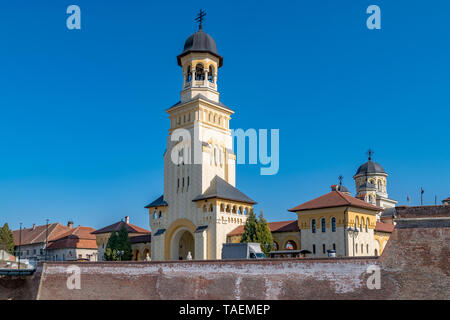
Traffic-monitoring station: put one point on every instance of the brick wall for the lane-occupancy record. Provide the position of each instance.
(414, 265)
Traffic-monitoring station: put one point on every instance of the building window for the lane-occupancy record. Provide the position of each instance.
(291, 245)
(323, 225)
(334, 246)
(367, 248)
(323, 248)
(211, 74)
(367, 225)
(199, 72)
(314, 249)
(275, 245)
(313, 225)
(189, 74)
(333, 224)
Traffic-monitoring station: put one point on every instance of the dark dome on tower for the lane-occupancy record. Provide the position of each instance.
(370, 167)
(200, 42)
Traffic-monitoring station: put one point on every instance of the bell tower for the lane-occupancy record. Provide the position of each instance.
(200, 62)
(200, 204)
(371, 184)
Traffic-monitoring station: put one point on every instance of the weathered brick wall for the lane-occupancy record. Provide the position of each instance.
(414, 265)
(422, 211)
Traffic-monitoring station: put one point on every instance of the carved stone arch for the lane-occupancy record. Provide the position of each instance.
(175, 229)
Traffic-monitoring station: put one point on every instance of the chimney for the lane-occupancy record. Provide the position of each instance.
(34, 226)
(127, 219)
(70, 224)
(334, 187)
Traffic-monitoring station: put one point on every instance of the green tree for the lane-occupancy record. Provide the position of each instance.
(250, 228)
(258, 231)
(124, 244)
(6, 239)
(112, 248)
(264, 235)
(118, 246)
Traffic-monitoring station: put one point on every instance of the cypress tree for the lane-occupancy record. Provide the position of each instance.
(250, 227)
(124, 244)
(264, 235)
(111, 248)
(6, 239)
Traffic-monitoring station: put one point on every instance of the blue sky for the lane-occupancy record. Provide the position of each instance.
(83, 124)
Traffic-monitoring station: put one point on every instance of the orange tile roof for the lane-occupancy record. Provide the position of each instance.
(38, 234)
(334, 199)
(79, 238)
(131, 228)
(384, 227)
(277, 226)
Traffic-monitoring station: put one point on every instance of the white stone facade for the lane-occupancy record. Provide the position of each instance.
(190, 164)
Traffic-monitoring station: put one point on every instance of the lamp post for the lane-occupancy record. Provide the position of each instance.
(46, 241)
(353, 232)
(20, 243)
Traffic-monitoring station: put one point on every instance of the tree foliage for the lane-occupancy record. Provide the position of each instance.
(118, 246)
(6, 239)
(264, 235)
(250, 228)
(258, 231)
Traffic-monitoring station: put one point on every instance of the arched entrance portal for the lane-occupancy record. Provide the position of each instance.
(182, 244)
(186, 245)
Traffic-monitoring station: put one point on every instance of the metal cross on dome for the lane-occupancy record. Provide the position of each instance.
(200, 17)
(340, 179)
(370, 153)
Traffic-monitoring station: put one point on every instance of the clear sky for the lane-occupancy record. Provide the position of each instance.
(83, 125)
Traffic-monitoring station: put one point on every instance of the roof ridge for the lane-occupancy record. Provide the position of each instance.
(44, 229)
(342, 196)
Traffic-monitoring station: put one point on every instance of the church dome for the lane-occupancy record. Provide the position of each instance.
(200, 42)
(370, 167)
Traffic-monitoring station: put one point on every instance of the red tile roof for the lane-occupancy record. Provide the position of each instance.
(384, 227)
(38, 234)
(79, 238)
(131, 228)
(277, 226)
(334, 199)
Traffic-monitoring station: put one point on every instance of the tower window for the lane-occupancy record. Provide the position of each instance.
(199, 72)
(333, 224)
(313, 225)
(211, 74)
(323, 225)
(189, 74)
